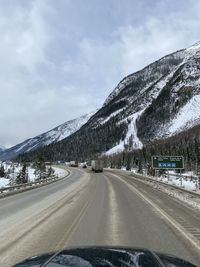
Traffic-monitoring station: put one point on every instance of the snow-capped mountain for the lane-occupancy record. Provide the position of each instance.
(156, 102)
(2, 148)
(57, 134)
(177, 106)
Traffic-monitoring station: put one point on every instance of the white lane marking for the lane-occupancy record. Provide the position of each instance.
(169, 219)
(113, 225)
(72, 229)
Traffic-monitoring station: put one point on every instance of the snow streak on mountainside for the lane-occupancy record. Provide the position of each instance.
(158, 101)
(138, 91)
(54, 135)
(131, 136)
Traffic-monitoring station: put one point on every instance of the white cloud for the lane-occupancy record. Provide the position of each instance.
(23, 38)
(135, 46)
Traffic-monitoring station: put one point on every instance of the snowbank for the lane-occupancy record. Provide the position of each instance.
(60, 172)
(4, 182)
(178, 181)
(31, 174)
(183, 181)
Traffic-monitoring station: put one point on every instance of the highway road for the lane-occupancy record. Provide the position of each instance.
(86, 208)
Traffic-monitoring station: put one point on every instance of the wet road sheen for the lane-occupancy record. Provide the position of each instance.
(85, 209)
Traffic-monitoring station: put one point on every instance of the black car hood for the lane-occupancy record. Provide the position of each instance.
(104, 256)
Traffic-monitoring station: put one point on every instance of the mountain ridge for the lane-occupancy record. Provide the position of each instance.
(2, 148)
(54, 135)
(140, 109)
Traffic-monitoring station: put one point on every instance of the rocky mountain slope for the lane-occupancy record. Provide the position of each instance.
(57, 134)
(2, 148)
(156, 102)
(177, 107)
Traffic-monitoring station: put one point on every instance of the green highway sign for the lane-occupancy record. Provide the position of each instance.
(167, 162)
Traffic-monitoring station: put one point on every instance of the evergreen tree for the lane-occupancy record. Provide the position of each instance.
(2, 171)
(140, 167)
(128, 162)
(50, 171)
(22, 177)
(40, 167)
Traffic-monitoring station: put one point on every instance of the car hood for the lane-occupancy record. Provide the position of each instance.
(104, 256)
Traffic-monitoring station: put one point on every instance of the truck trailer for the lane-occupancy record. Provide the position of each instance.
(73, 163)
(97, 165)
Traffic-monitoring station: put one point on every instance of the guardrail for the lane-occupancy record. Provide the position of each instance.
(152, 179)
(178, 175)
(10, 190)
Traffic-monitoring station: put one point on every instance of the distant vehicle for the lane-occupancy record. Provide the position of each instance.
(73, 163)
(97, 165)
(84, 165)
(105, 257)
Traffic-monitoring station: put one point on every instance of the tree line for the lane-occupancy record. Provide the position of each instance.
(186, 144)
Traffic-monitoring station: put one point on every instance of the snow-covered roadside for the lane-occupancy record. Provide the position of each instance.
(31, 174)
(12, 171)
(187, 180)
(4, 182)
(60, 172)
(179, 181)
(186, 174)
(184, 196)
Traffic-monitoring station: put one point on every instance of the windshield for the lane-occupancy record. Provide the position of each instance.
(100, 129)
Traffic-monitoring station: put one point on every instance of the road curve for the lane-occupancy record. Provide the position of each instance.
(87, 209)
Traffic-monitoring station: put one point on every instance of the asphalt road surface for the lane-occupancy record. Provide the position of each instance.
(86, 209)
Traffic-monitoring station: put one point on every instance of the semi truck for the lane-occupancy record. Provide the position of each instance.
(97, 165)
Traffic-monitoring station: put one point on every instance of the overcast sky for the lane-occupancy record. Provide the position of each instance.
(60, 59)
